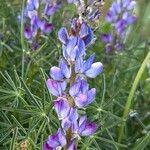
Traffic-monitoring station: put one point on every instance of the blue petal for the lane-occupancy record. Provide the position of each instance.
(75, 127)
(63, 86)
(62, 108)
(56, 73)
(91, 95)
(70, 119)
(83, 30)
(28, 33)
(48, 27)
(81, 48)
(61, 137)
(75, 48)
(131, 5)
(65, 55)
(81, 100)
(84, 86)
(55, 87)
(52, 87)
(106, 38)
(90, 129)
(36, 4)
(78, 64)
(95, 70)
(72, 146)
(47, 147)
(73, 115)
(87, 64)
(49, 9)
(66, 124)
(71, 46)
(74, 90)
(82, 120)
(117, 7)
(66, 71)
(82, 124)
(63, 35)
(89, 39)
(53, 141)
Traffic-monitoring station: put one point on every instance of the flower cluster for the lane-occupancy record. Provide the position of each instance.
(120, 16)
(68, 83)
(36, 22)
(89, 9)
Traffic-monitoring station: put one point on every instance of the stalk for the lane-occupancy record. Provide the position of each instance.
(131, 95)
(22, 39)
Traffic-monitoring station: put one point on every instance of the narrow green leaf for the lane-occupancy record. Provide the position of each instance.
(142, 142)
(13, 140)
(18, 124)
(31, 95)
(6, 135)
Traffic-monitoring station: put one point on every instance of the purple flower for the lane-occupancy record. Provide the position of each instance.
(45, 27)
(120, 16)
(83, 127)
(61, 72)
(74, 49)
(121, 11)
(78, 95)
(62, 108)
(55, 141)
(38, 25)
(35, 22)
(68, 121)
(63, 35)
(87, 67)
(51, 8)
(32, 5)
(78, 30)
(109, 48)
(72, 145)
(81, 93)
(106, 38)
(86, 34)
(28, 33)
(67, 114)
(55, 87)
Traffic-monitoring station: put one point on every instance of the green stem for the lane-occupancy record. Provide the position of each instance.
(131, 95)
(22, 38)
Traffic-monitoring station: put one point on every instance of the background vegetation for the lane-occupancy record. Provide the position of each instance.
(27, 116)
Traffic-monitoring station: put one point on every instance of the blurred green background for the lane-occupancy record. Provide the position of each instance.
(26, 108)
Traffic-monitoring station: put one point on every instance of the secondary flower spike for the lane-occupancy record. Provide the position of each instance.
(36, 20)
(69, 84)
(120, 17)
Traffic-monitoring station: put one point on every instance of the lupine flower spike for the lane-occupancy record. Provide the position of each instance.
(35, 24)
(120, 16)
(68, 83)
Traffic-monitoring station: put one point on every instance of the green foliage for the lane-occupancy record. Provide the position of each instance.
(27, 116)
